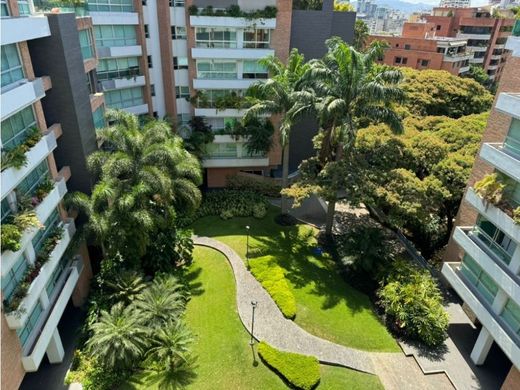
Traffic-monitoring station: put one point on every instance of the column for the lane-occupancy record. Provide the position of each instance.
(55, 351)
(514, 265)
(481, 347)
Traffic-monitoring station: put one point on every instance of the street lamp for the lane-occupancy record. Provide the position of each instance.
(253, 306)
(247, 246)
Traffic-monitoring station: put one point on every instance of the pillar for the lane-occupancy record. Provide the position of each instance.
(55, 351)
(481, 347)
(514, 265)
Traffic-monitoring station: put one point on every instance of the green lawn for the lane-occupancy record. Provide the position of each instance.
(326, 305)
(225, 359)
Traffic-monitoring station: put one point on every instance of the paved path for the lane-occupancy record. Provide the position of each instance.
(272, 327)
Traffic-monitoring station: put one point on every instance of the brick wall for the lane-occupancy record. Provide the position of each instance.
(143, 60)
(512, 381)
(82, 288)
(12, 369)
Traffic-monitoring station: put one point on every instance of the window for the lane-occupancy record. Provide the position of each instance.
(511, 315)
(506, 28)
(494, 239)
(99, 118)
(178, 3)
(182, 92)
(224, 150)
(111, 35)
(219, 37)
(15, 128)
(257, 38)
(180, 63)
(155, 114)
(146, 31)
(122, 98)
(407, 47)
(4, 9)
(90, 82)
(216, 70)
(183, 119)
(117, 68)
(85, 42)
(512, 143)
(475, 30)
(438, 27)
(52, 221)
(178, 32)
(150, 64)
(405, 61)
(478, 278)
(212, 96)
(397, 60)
(111, 5)
(424, 63)
(14, 276)
(143, 2)
(30, 183)
(253, 70)
(6, 210)
(152, 89)
(32, 320)
(58, 271)
(12, 70)
(23, 7)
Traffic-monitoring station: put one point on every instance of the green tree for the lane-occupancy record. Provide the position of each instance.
(144, 177)
(126, 286)
(360, 35)
(348, 88)
(343, 6)
(478, 74)
(277, 96)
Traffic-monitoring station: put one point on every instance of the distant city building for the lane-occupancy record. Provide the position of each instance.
(380, 19)
(455, 3)
(418, 47)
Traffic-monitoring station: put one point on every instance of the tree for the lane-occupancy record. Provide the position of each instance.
(360, 35)
(144, 177)
(343, 6)
(200, 135)
(348, 88)
(478, 74)
(126, 286)
(118, 338)
(277, 96)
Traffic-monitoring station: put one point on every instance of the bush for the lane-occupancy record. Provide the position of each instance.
(301, 371)
(11, 237)
(272, 278)
(259, 210)
(92, 375)
(490, 188)
(261, 186)
(413, 304)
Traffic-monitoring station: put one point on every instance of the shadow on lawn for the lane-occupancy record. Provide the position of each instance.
(189, 277)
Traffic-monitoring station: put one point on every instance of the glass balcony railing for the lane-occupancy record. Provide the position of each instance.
(512, 146)
(80, 8)
(492, 246)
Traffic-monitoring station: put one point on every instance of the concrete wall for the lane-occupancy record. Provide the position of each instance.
(68, 101)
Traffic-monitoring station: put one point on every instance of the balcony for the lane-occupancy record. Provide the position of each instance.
(124, 82)
(119, 51)
(224, 84)
(464, 69)
(37, 344)
(509, 103)
(501, 334)
(457, 57)
(503, 156)
(231, 22)
(137, 110)
(114, 18)
(24, 28)
(493, 214)
(214, 113)
(479, 60)
(474, 36)
(230, 53)
(43, 211)
(17, 319)
(234, 157)
(11, 177)
(478, 48)
(20, 94)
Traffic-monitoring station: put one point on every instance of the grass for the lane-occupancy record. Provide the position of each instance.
(326, 305)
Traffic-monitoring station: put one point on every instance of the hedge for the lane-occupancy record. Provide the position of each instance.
(259, 185)
(272, 278)
(301, 371)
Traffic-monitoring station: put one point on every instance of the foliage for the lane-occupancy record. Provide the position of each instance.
(43, 189)
(413, 304)
(92, 375)
(266, 187)
(144, 177)
(125, 287)
(315, 5)
(272, 278)
(516, 215)
(172, 248)
(258, 134)
(234, 11)
(361, 32)
(343, 6)
(259, 210)
(490, 188)
(438, 92)
(301, 371)
(200, 135)
(16, 157)
(11, 237)
(478, 74)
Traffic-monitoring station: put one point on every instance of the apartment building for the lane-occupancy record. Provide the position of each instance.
(482, 261)
(486, 35)
(41, 272)
(455, 3)
(419, 47)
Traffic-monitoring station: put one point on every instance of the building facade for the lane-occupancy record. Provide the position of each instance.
(419, 47)
(482, 261)
(41, 271)
(455, 3)
(486, 35)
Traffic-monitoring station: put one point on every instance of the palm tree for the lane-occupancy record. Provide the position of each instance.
(145, 175)
(118, 338)
(169, 359)
(126, 287)
(350, 87)
(277, 96)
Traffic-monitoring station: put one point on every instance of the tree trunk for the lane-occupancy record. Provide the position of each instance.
(285, 176)
(329, 222)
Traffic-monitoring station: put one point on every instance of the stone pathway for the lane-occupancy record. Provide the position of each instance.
(272, 327)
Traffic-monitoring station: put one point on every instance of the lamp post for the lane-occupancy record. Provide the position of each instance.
(247, 246)
(253, 306)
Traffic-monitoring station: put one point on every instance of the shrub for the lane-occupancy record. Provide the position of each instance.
(259, 210)
(272, 278)
(226, 214)
(413, 304)
(301, 371)
(92, 375)
(14, 158)
(11, 237)
(516, 215)
(490, 188)
(229, 203)
(261, 186)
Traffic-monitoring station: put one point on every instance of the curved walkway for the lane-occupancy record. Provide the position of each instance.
(272, 327)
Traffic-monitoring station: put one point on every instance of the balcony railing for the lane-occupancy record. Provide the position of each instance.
(512, 146)
(77, 7)
(481, 238)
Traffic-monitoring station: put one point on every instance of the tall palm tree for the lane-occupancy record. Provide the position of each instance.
(118, 338)
(277, 96)
(144, 176)
(349, 86)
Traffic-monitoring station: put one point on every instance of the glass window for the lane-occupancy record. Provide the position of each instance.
(6, 210)
(479, 278)
(111, 5)
(218, 37)
(117, 68)
(14, 276)
(122, 98)
(511, 316)
(12, 70)
(23, 7)
(52, 221)
(115, 35)
(216, 70)
(178, 3)
(58, 271)
(85, 41)
(4, 9)
(99, 117)
(30, 183)
(224, 150)
(226, 97)
(254, 70)
(183, 119)
(182, 92)
(257, 38)
(179, 32)
(180, 63)
(495, 240)
(15, 128)
(30, 324)
(512, 143)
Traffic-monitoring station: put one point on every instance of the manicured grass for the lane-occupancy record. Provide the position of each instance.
(326, 305)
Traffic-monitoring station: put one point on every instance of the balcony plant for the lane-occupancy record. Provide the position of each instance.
(11, 237)
(491, 189)
(43, 189)
(16, 157)
(516, 215)
(11, 232)
(234, 11)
